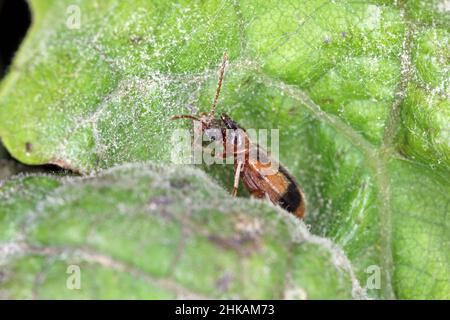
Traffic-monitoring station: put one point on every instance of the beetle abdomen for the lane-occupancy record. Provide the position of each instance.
(292, 200)
(280, 187)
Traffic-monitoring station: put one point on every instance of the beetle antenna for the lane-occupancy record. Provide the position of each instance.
(219, 84)
(186, 116)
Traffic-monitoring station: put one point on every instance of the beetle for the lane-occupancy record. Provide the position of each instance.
(257, 173)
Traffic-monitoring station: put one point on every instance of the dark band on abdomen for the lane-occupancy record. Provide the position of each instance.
(292, 199)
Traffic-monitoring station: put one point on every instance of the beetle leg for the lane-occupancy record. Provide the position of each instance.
(237, 173)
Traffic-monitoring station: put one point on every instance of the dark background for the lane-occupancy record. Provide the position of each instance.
(15, 19)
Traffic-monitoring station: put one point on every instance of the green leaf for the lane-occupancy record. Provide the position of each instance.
(359, 91)
(145, 231)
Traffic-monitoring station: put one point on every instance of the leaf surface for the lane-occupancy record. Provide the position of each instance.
(135, 231)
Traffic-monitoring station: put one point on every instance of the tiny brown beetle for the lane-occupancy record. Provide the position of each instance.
(255, 171)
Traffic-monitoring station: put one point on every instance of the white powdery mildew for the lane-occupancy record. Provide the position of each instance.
(92, 119)
(361, 200)
(372, 19)
(10, 250)
(301, 234)
(405, 58)
(141, 92)
(444, 6)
